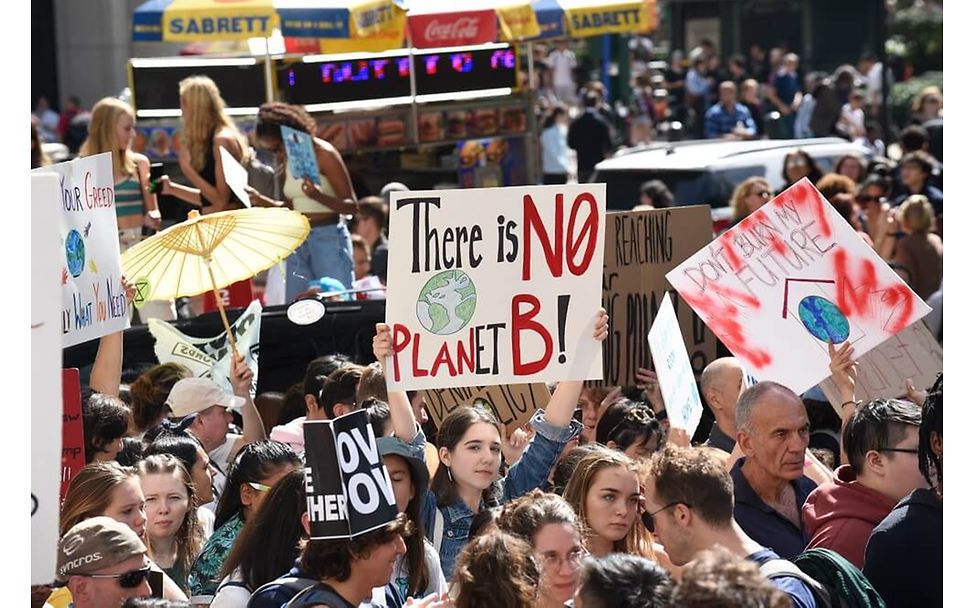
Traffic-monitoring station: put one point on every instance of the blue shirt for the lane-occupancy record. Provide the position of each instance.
(801, 596)
(528, 473)
(720, 122)
(786, 85)
(765, 525)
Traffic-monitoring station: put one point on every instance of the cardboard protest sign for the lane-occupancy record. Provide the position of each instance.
(347, 485)
(235, 176)
(512, 404)
(210, 357)
(92, 299)
(45, 378)
(913, 353)
(301, 159)
(640, 248)
(72, 428)
(789, 278)
(494, 285)
(676, 382)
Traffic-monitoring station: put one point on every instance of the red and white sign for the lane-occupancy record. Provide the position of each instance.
(789, 278)
(433, 30)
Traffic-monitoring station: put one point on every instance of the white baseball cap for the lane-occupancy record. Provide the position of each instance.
(193, 395)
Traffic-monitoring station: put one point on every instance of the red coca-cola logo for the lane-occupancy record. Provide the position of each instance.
(462, 27)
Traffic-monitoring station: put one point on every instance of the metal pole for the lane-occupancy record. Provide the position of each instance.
(884, 102)
(533, 143)
(268, 73)
(412, 87)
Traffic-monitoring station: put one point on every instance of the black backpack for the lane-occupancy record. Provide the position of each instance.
(278, 592)
(835, 582)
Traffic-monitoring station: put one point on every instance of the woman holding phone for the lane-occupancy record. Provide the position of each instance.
(328, 250)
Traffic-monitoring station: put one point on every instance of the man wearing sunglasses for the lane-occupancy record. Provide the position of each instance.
(689, 508)
(103, 563)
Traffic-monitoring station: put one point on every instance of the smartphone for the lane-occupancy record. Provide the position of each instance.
(155, 582)
(155, 173)
(577, 415)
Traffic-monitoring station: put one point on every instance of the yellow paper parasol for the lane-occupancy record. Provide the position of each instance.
(212, 251)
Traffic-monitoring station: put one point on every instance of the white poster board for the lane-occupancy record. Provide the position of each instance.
(913, 353)
(45, 378)
(93, 301)
(673, 370)
(210, 357)
(786, 280)
(235, 176)
(495, 285)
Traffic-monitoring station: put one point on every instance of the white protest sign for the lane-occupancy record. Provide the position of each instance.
(45, 378)
(789, 278)
(210, 357)
(673, 370)
(92, 298)
(235, 176)
(495, 285)
(913, 353)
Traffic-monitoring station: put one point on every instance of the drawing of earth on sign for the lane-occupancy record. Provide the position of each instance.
(823, 319)
(74, 253)
(447, 302)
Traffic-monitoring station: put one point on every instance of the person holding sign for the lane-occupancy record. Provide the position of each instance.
(324, 196)
(468, 480)
(206, 128)
(112, 129)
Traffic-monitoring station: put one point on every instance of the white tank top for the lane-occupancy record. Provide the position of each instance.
(294, 193)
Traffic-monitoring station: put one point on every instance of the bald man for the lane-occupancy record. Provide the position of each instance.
(721, 384)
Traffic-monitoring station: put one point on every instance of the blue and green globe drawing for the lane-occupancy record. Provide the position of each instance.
(74, 253)
(823, 319)
(447, 302)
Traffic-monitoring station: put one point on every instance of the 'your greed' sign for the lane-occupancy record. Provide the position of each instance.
(92, 298)
(787, 280)
(347, 485)
(495, 285)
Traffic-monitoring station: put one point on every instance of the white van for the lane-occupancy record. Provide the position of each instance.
(705, 172)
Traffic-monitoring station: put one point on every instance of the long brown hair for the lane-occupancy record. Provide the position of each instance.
(637, 541)
(207, 115)
(90, 492)
(102, 134)
(496, 569)
(189, 537)
(452, 430)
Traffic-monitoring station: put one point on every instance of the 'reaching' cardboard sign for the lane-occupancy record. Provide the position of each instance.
(347, 485)
(788, 279)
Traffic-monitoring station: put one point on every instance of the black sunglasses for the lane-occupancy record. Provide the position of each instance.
(126, 580)
(904, 450)
(647, 517)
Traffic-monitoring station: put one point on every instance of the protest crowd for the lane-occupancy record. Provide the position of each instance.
(600, 496)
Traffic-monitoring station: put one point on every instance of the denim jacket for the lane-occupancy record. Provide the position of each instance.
(528, 473)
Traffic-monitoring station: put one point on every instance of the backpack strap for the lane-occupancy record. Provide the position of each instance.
(437, 530)
(778, 568)
(276, 592)
(315, 595)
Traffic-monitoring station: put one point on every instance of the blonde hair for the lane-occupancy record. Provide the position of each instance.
(637, 541)
(917, 214)
(207, 115)
(102, 134)
(189, 537)
(931, 91)
(740, 193)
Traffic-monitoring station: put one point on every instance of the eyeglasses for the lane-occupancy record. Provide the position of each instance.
(126, 580)
(761, 193)
(260, 487)
(554, 562)
(796, 162)
(862, 199)
(904, 450)
(647, 517)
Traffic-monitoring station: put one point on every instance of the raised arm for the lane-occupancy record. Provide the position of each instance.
(844, 370)
(241, 377)
(403, 418)
(106, 371)
(565, 398)
(333, 167)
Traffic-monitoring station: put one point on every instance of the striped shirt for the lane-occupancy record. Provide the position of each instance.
(128, 197)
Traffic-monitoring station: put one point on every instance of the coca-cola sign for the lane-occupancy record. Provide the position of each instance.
(453, 29)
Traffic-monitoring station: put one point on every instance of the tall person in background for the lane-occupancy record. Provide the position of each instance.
(328, 250)
(112, 129)
(206, 128)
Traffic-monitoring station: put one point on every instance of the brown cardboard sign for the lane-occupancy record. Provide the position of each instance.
(513, 404)
(640, 248)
